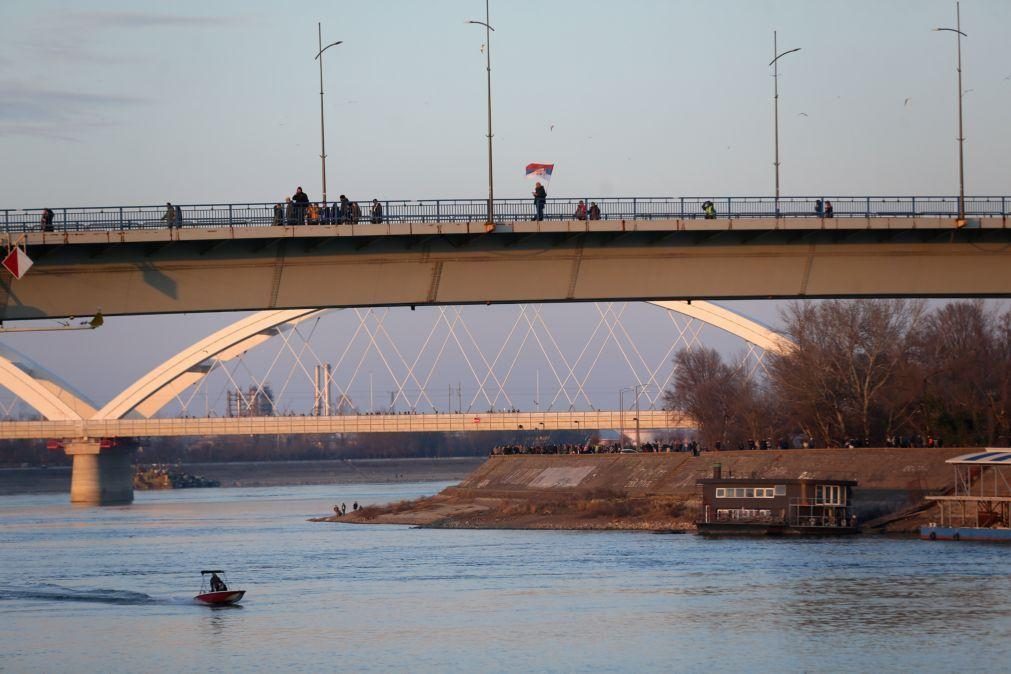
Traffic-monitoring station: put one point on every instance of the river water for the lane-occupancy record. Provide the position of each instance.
(109, 590)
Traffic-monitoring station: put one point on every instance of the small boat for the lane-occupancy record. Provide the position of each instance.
(214, 590)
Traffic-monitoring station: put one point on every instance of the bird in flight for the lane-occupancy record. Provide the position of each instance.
(802, 114)
(905, 102)
(551, 128)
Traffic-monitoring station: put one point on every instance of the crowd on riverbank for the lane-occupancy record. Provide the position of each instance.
(603, 448)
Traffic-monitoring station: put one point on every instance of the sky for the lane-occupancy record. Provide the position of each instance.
(133, 103)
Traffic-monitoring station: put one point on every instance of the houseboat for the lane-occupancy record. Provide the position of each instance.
(979, 506)
(776, 506)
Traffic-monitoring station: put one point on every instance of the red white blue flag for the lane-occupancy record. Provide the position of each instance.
(540, 172)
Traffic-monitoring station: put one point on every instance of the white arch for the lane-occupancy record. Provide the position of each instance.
(57, 401)
(154, 390)
(51, 397)
(735, 324)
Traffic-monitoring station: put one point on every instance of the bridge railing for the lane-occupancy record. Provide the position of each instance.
(114, 218)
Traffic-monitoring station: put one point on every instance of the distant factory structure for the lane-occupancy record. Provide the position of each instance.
(324, 404)
(255, 401)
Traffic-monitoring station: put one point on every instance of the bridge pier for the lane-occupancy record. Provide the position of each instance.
(101, 475)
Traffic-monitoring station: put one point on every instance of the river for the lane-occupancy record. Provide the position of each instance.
(109, 589)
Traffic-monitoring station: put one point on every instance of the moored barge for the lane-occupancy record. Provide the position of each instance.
(979, 507)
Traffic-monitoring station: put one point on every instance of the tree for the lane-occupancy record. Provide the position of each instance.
(720, 397)
(843, 379)
(963, 353)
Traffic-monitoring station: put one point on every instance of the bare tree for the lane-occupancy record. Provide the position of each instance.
(848, 358)
(963, 352)
(720, 397)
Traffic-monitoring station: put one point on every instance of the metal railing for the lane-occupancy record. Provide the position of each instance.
(118, 218)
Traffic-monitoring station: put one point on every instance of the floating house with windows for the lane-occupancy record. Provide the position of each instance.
(979, 507)
(776, 506)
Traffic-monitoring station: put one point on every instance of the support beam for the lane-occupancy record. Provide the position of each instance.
(100, 475)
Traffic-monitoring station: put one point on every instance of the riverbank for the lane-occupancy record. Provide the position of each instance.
(269, 473)
(658, 492)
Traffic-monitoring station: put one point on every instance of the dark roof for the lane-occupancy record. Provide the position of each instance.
(763, 481)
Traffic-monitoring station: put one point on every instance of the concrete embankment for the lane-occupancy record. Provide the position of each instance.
(657, 491)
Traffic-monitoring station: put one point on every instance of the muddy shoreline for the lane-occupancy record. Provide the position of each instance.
(269, 473)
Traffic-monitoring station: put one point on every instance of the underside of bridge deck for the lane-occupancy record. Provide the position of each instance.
(176, 271)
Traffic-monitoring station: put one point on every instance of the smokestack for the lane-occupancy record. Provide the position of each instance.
(717, 471)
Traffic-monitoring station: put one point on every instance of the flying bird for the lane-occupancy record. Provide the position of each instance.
(906, 102)
(551, 128)
(802, 114)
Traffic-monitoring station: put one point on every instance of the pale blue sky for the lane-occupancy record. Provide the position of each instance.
(131, 102)
(138, 102)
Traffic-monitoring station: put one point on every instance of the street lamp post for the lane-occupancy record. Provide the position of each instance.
(490, 225)
(322, 131)
(621, 419)
(775, 106)
(638, 446)
(961, 136)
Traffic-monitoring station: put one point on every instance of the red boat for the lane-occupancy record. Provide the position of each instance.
(214, 591)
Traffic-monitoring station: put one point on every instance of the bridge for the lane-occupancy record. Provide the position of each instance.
(125, 261)
(103, 467)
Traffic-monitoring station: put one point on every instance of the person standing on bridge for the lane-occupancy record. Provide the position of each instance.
(819, 208)
(540, 200)
(594, 211)
(377, 212)
(170, 215)
(345, 211)
(301, 201)
(580, 213)
(47, 220)
(829, 211)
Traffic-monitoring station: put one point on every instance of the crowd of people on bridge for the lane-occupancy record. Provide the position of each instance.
(299, 210)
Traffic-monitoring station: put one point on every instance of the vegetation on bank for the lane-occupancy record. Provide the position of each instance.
(864, 373)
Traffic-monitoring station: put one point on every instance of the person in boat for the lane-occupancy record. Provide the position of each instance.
(217, 585)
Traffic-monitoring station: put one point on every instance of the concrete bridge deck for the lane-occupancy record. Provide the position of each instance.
(360, 423)
(144, 271)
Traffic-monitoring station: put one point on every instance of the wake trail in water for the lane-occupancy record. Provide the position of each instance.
(51, 592)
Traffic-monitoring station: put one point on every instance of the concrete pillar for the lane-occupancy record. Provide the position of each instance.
(100, 476)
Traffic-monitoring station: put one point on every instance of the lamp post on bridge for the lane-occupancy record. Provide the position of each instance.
(322, 132)
(961, 136)
(621, 418)
(490, 225)
(776, 55)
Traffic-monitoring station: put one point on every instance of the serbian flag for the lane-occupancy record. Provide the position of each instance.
(540, 172)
